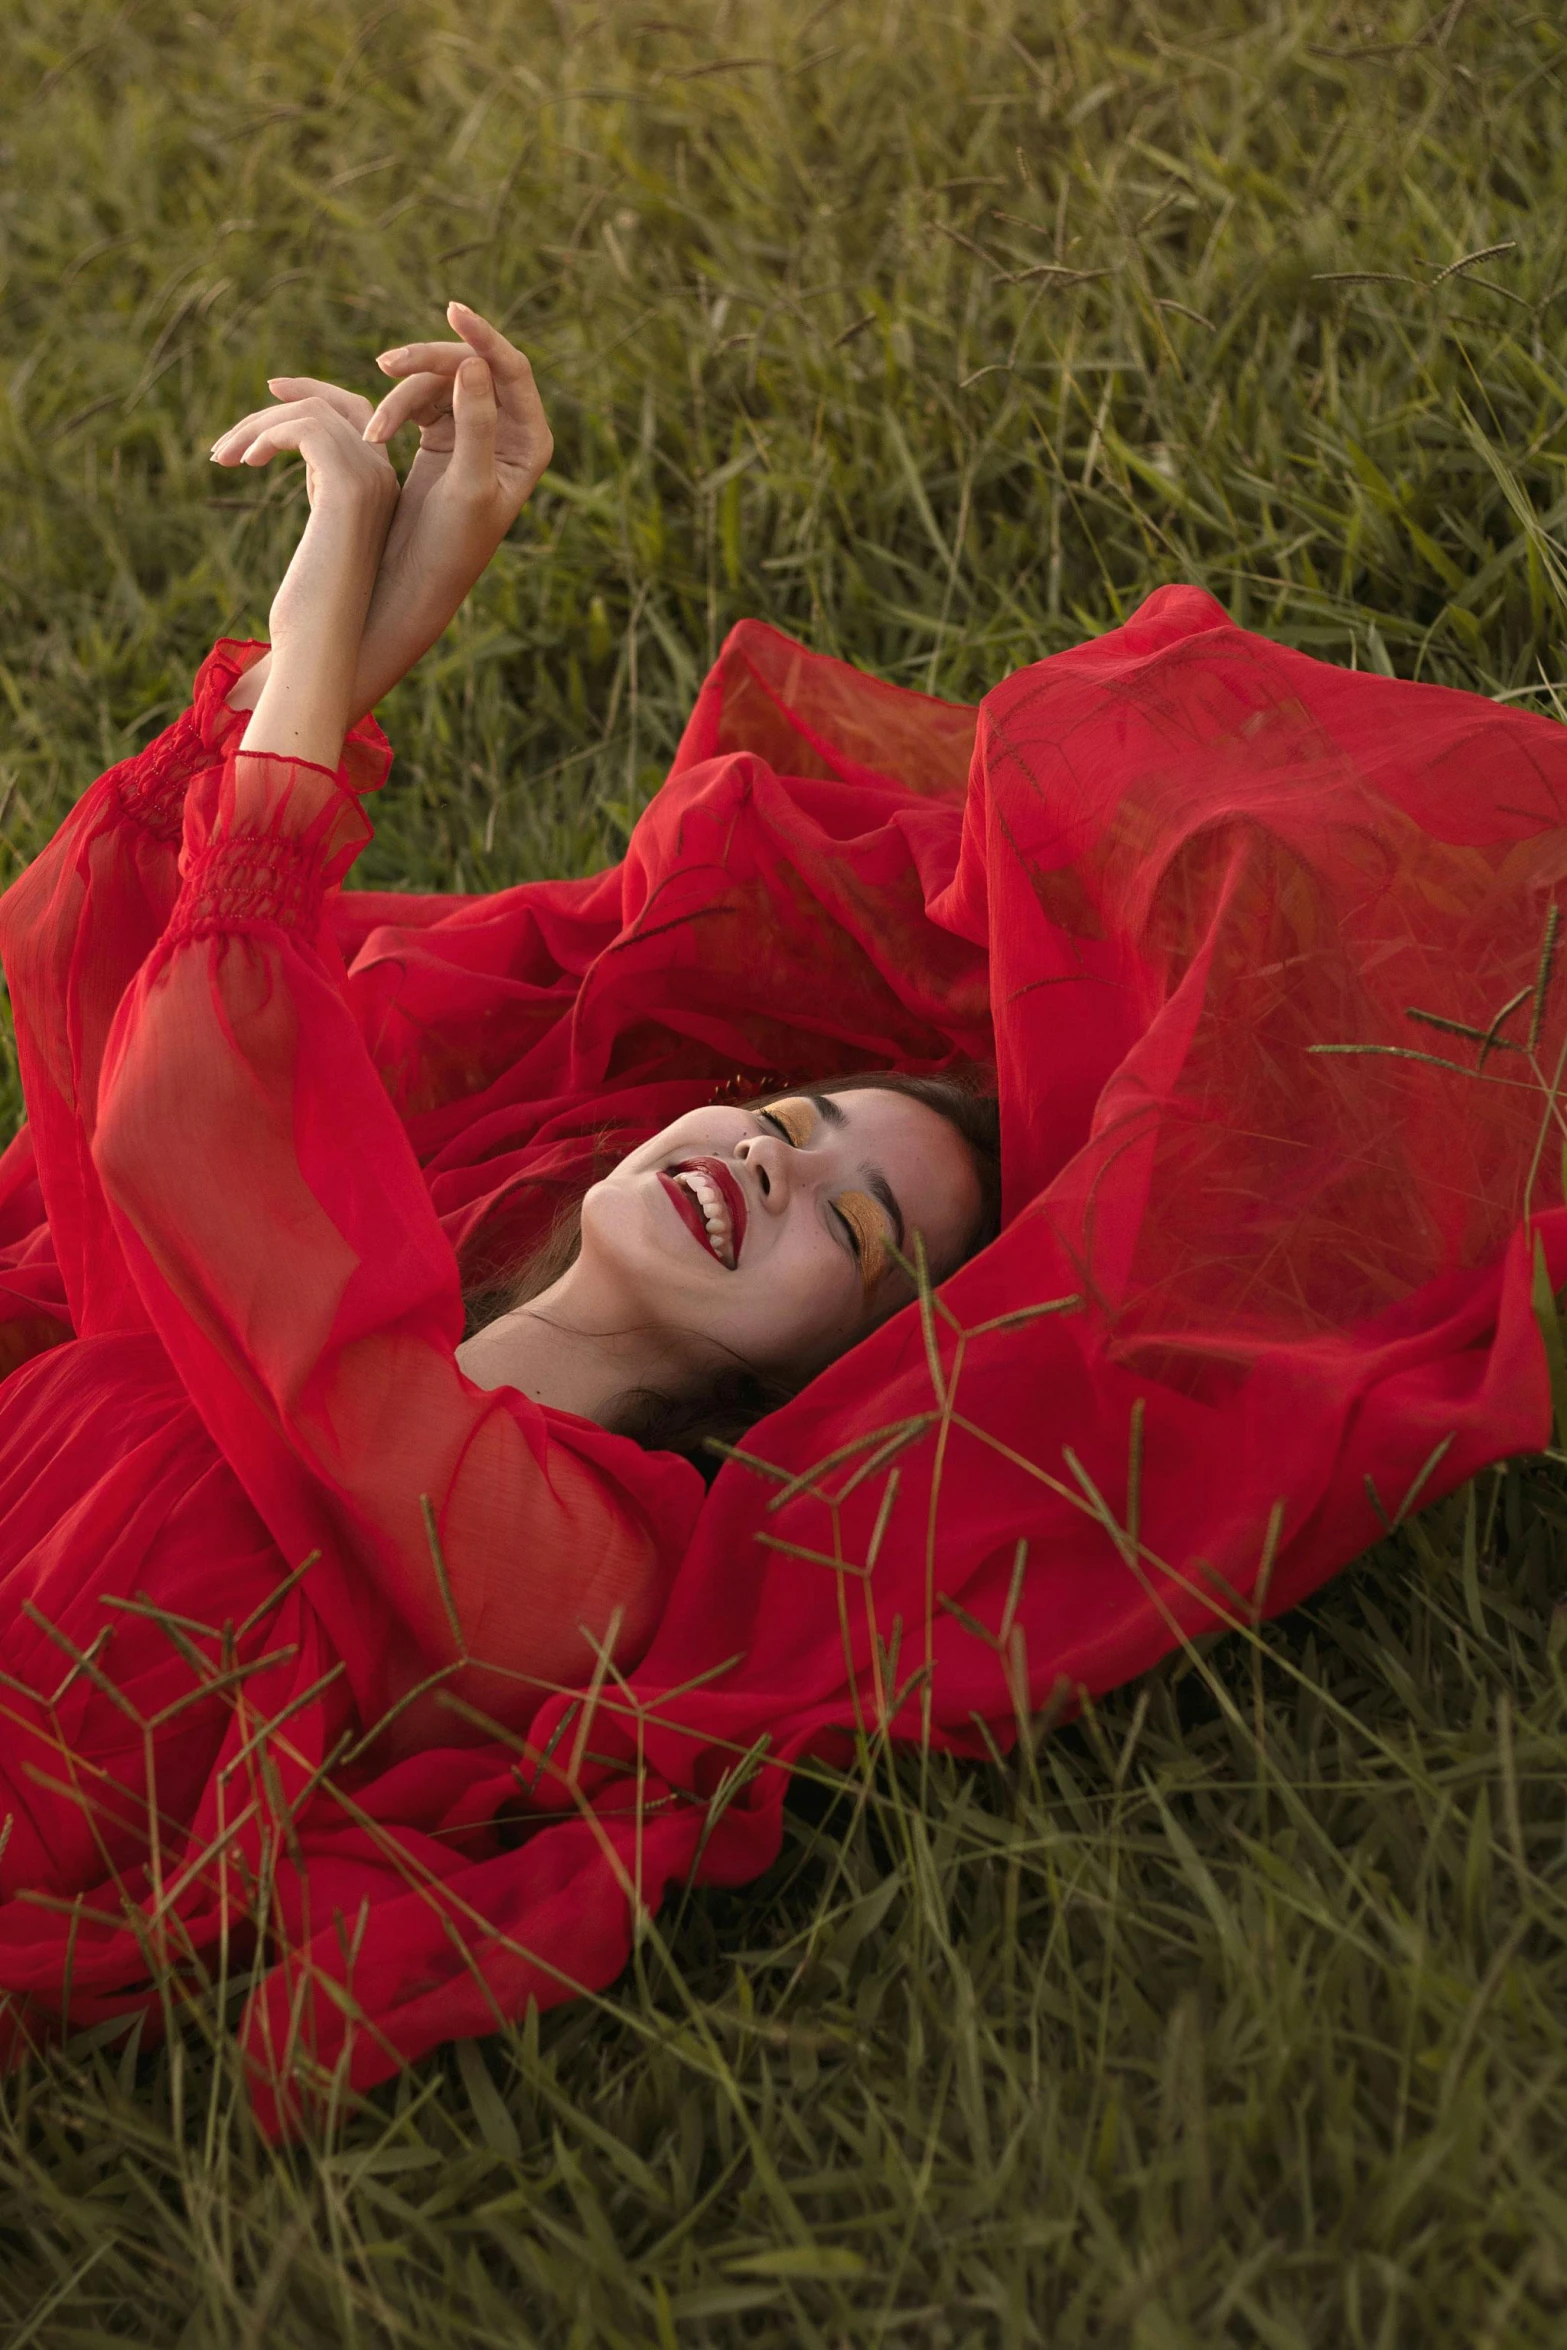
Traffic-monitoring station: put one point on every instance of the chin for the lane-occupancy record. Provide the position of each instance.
(627, 1226)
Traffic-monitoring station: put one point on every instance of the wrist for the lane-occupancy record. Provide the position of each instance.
(408, 611)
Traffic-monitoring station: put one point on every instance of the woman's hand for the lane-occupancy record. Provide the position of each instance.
(305, 704)
(504, 473)
(483, 443)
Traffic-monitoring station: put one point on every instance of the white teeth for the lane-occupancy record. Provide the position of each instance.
(715, 1211)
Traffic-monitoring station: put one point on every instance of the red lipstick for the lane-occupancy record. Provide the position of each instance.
(723, 1180)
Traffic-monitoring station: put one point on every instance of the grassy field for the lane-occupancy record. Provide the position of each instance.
(936, 331)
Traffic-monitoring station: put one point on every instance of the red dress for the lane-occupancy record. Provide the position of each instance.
(292, 1667)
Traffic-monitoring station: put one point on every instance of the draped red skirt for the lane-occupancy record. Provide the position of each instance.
(1261, 953)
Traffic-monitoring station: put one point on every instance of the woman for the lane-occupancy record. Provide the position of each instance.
(265, 1364)
(293, 1571)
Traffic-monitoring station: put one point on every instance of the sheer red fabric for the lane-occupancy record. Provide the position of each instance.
(1253, 1295)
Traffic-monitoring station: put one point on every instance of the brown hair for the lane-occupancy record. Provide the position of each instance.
(719, 1413)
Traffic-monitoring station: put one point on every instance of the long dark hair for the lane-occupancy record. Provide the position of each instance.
(719, 1413)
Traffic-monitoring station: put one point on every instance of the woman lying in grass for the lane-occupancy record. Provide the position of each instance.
(308, 1594)
(265, 1364)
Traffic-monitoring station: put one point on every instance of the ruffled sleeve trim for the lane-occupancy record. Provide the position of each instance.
(151, 788)
(367, 755)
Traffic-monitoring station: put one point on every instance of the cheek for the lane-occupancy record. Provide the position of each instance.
(614, 1221)
(806, 1307)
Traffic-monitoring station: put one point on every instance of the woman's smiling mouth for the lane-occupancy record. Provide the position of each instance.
(711, 1204)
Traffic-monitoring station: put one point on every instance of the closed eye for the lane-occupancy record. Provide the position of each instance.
(791, 1120)
(863, 1221)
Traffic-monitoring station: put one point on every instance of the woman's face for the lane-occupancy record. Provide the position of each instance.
(765, 1234)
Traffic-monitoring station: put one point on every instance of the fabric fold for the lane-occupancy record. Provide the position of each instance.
(1255, 948)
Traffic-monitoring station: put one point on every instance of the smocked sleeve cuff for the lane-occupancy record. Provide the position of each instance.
(262, 854)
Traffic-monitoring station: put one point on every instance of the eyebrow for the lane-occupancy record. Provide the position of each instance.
(827, 1109)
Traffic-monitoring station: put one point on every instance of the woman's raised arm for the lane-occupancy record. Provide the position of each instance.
(280, 1233)
(305, 705)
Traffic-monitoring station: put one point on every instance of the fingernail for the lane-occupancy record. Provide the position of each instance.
(391, 358)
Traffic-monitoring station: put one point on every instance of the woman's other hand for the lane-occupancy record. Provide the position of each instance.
(503, 472)
(483, 443)
(305, 704)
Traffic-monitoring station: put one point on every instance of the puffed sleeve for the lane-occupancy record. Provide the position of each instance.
(74, 929)
(282, 1239)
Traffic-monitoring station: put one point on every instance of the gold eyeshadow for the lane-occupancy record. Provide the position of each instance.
(867, 1222)
(796, 1117)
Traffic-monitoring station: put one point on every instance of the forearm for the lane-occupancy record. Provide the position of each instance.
(408, 612)
(417, 595)
(418, 592)
(298, 717)
(305, 703)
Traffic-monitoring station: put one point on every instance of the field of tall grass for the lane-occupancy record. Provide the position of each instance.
(937, 332)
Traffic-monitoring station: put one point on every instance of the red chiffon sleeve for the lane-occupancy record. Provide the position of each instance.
(74, 929)
(283, 1244)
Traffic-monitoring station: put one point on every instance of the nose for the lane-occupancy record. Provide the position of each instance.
(766, 1158)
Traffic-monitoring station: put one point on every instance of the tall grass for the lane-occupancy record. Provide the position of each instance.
(937, 334)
